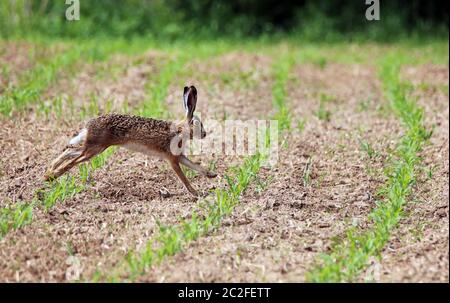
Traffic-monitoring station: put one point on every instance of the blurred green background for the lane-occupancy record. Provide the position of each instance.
(206, 19)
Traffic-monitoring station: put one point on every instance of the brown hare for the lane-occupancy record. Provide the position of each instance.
(160, 138)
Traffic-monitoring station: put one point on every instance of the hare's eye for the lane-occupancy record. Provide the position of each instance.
(196, 123)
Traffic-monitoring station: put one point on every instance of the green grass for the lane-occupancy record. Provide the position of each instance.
(368, 53)
(31, 86)
(261, 185)
(325, 98)
(15, 216)
(281, 70)
(67, 186)
(154, 106)
(59, 190)
(301, 123)
(20, 214)
(307, 173)
(322, 113)
(239, 80)
(64, 187)
(348, 259)
(364, 105)
(32, 83)
(170, 240)
(368, 149)
(189, 173)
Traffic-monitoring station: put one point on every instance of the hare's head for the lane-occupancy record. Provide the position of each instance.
(196, 129)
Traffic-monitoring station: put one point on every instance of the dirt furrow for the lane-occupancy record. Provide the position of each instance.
(120, 209)
(146, 176)
(18, 57)
(324, 182)
(113, 85)
(29, 143)
(274, 236)
(419, 249)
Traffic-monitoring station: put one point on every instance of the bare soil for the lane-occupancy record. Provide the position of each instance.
(29, 143)
(323, 183)
(19, 57)
(275, 235)
(419, 250)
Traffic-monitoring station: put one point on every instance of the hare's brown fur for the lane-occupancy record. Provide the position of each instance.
(146, 135)
(116, 129)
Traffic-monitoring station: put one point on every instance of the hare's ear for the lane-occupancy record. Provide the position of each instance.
(189, 101)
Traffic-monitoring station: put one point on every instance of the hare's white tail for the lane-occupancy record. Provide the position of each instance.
(79, 138)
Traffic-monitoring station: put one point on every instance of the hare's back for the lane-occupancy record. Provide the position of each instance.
(120, 129)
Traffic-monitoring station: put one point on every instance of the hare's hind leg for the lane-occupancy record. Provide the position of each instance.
(60, 164)
(185, 161)
(176, 167)
(71, 157)
(89, 152)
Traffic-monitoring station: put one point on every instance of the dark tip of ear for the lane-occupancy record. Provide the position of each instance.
(185, 90)
(194, 90)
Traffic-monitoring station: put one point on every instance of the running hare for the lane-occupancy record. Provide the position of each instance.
(153, 137)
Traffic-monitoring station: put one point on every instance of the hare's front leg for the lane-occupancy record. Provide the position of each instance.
(176, 167)
(185, 161)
